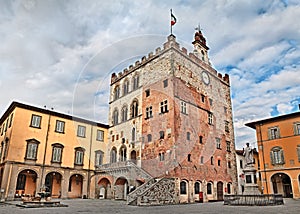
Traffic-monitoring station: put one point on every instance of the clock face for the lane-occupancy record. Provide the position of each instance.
(205, 77)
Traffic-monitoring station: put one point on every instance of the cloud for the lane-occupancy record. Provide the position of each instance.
(61, 53)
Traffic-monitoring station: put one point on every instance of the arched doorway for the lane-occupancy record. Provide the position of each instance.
(53, 184)
(219, 191)
(282, 185)
(26, 183)
(75, 186)
(133, 156)
(104, 188)
(121, 188)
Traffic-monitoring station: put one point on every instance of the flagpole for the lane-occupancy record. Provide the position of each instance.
(170, 21)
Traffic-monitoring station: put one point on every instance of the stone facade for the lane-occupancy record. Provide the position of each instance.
(171, 115)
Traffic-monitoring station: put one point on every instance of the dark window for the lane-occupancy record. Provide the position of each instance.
(32, 149)
(57, 150)
(149, 137)
(135, 82)
(125, 87)
(229, 188)
(99, 158)
(219, 162)
(189, 158)
(100, 135)
(241, 164)
(164, 106)
(134, 109)
(115, 117)
(149, 112)
(201, 139)
(209, 188)
(117, 92)
(212, 160)
(161, 156)
(81, 131)
(147, 92)
(79, 156)
(197, 188)
(36, 121)
(273, 133)
(229, 164)
(161, 135)
(188, 136)
(124, 112)
(183, 187)
(60, 126)
(165, 83)
(202, 98)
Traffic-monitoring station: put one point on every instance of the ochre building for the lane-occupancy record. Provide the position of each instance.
(45, 150)
(170, 116)
(279, 154)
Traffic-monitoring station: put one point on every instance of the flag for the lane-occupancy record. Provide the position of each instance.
(173, 19)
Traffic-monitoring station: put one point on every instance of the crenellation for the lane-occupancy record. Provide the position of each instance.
(184, 50)
(137, 63)
(157, 51)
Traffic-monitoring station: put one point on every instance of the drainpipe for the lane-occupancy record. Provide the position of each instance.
(263, 156)
(42, 183)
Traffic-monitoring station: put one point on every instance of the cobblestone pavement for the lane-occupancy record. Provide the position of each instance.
(83, 206)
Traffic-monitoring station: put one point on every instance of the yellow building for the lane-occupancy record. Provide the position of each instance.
(41, 148)
(278, 141)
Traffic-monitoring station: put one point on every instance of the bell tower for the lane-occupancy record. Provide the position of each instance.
(200, 48)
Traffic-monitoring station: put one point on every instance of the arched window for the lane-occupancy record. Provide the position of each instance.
(209, 188)
(123, 153)
(115, 117)
(117, 92)
(183, 188)
(113, 155)
(277, 156)
(133, 134)
(189, 158)
(197, 187)
(135, 82)
(149, 137)
(126, 87)
(134, 108)
(79, 156)
(161, 156)
(229, 188)
(124, 112)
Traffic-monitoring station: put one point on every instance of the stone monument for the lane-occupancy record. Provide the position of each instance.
(251, 187)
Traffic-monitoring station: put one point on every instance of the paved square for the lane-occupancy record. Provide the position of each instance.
(83, 206)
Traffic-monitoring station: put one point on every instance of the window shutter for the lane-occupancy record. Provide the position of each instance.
(282, 156)
(272, 157)
(269, 134)
(278, 132)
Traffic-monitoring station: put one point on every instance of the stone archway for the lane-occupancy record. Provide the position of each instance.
(75, 186)
(53, 184)
(133, 156)
(26, 183)
(104, 188)
(281, 183)
(121, 188)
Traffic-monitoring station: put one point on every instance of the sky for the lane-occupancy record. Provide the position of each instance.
(61, 54)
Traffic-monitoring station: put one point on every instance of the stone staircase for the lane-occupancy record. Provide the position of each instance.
(154, 192)
(128, 168)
